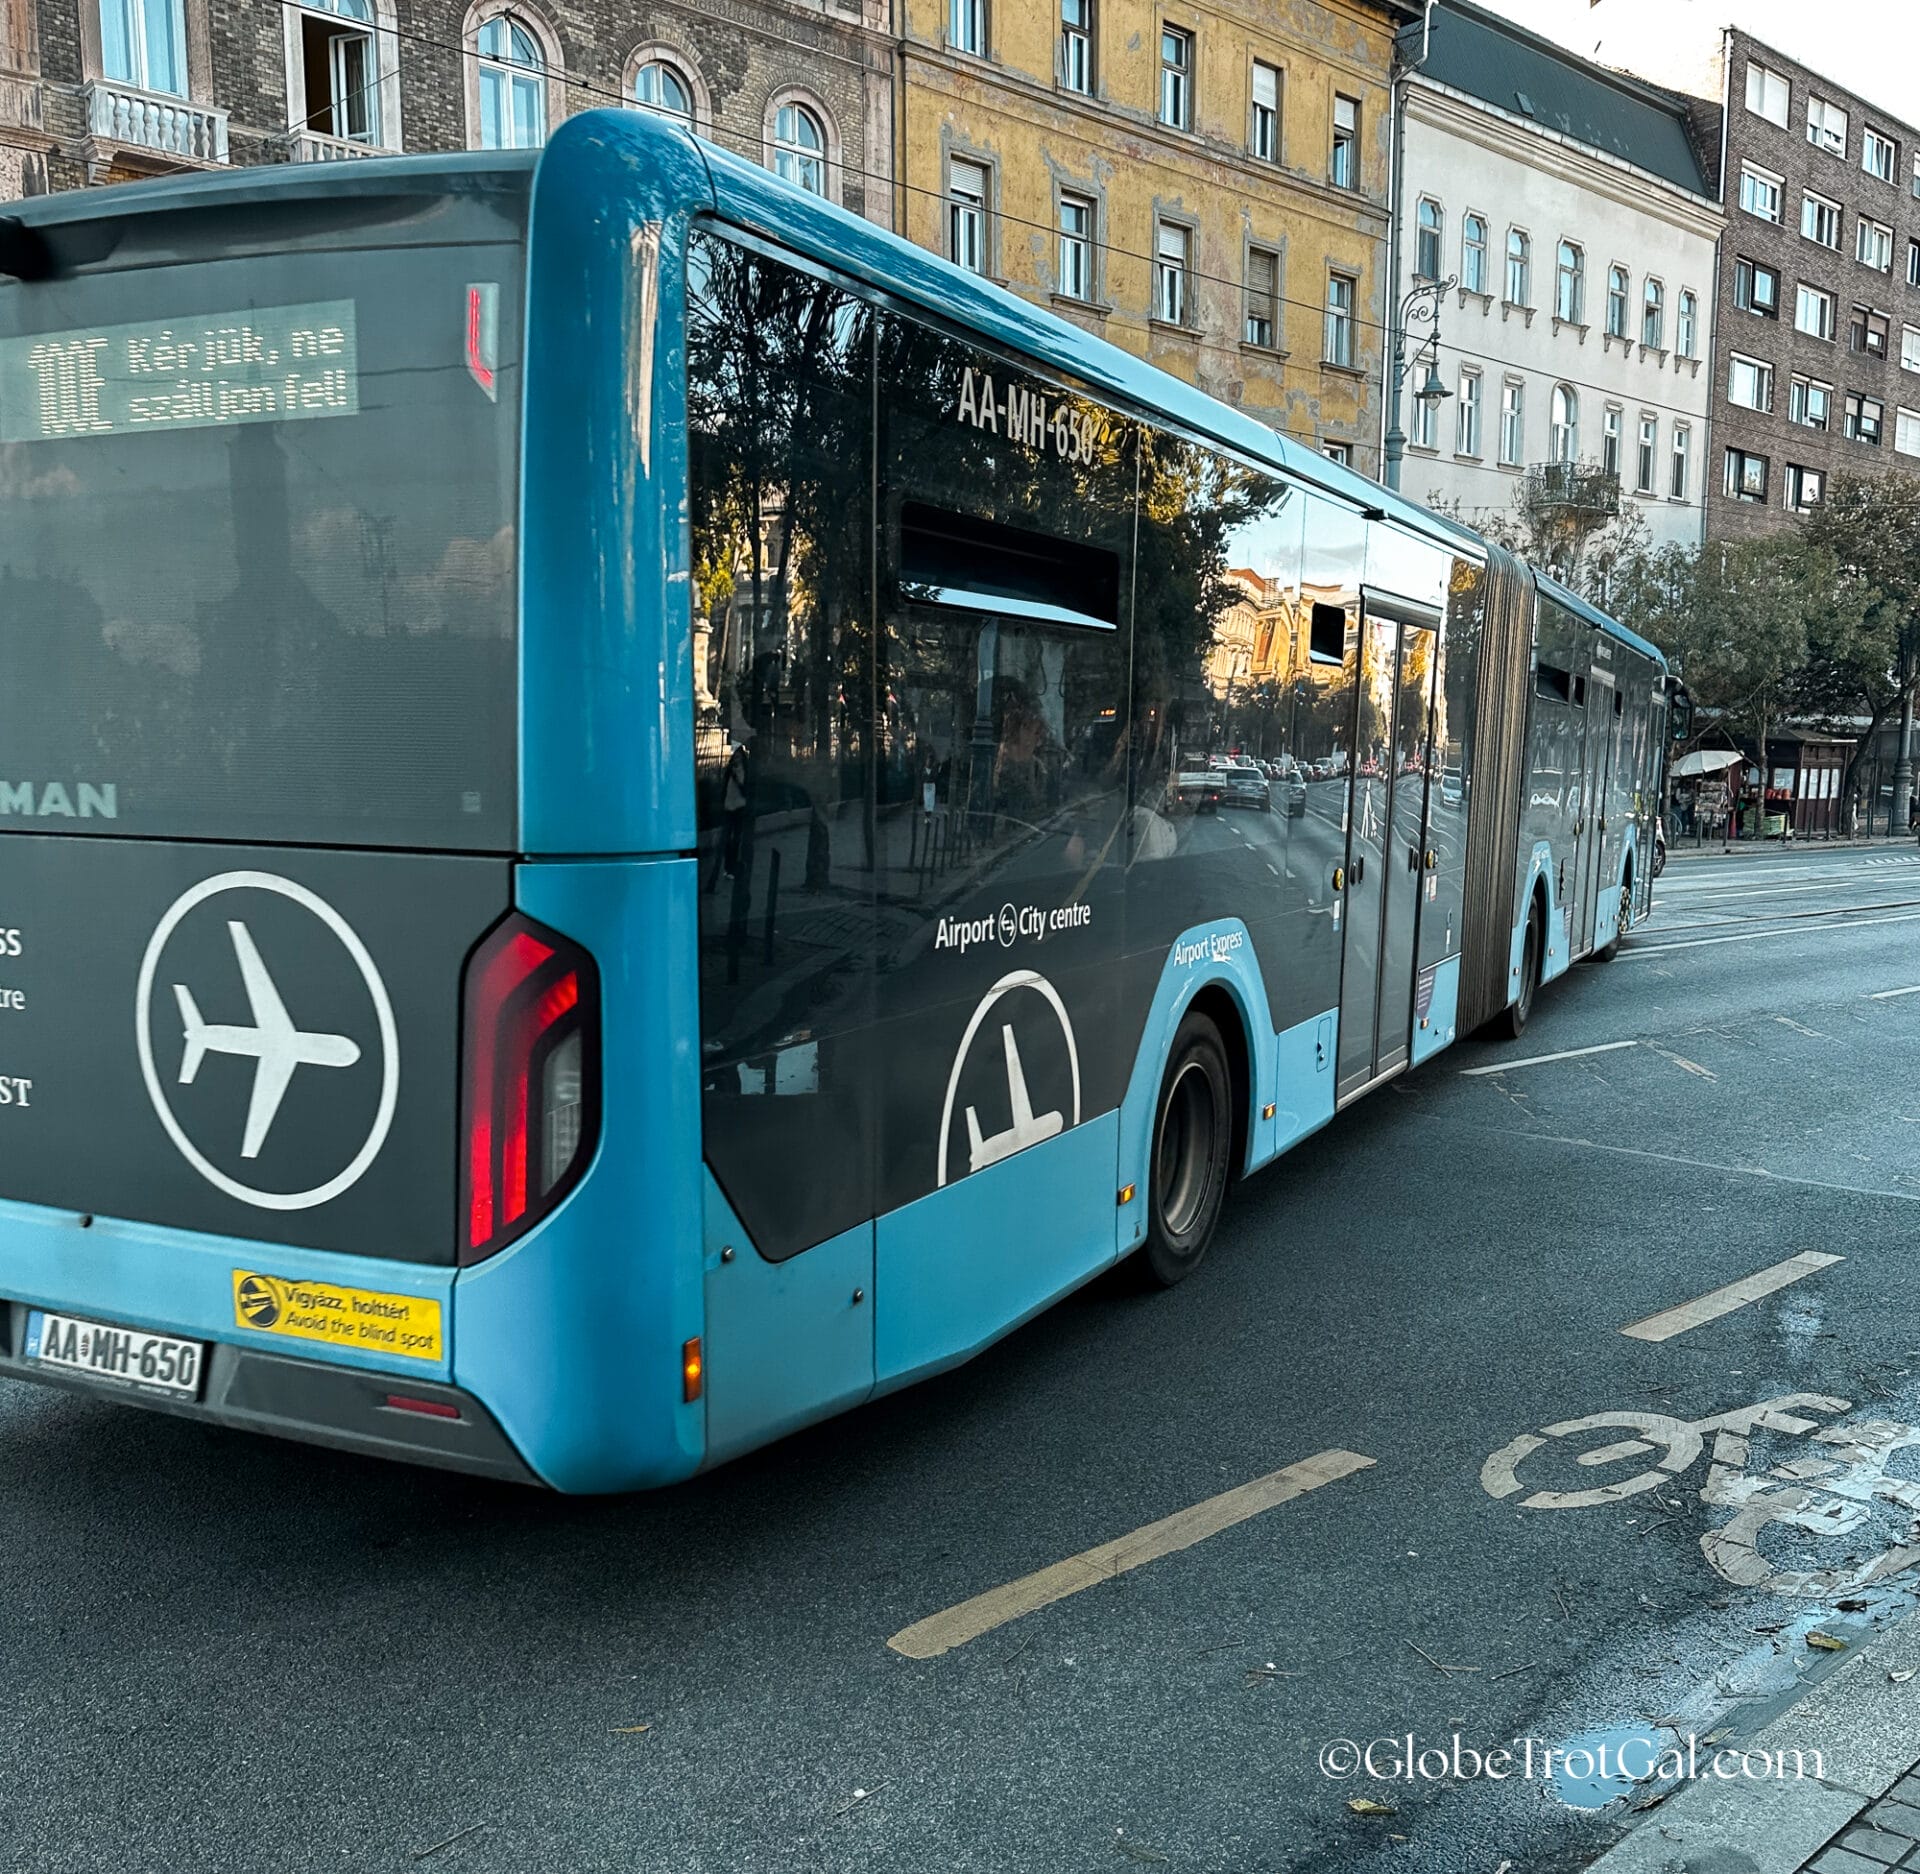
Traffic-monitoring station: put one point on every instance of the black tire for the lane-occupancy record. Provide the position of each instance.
(1612, 950)
(1659, 860)
(1512, 1020)
(1188, 1172)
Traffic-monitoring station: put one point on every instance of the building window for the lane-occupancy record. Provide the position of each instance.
(1826, 126)
(1076, 247)
(1176, 77)
(1749, 383)
(1906, 431)
(1076, 46)
(1814, 312)
(1653, 315)
(967, 26)
(1910, 348)
(1513, 422)
(1341, 452)
(1913, 263)
(1806, 488)
(1862, 417)
(339, 78)
(800, 148)
(1426, 423)
(1756, 289)
(1810, 403)
(1570, 284)
(1820, 219)
(1172, 265)
(144, 43)
(1760, 192)
(1878, 155)
(1263, 133)
(1873, 246)
(1767, 94)
(1678, 470)
(1344, 169)
(1649, 454)
(1340, 298)
(1564, 425)
(1467, 436)
(1519, 269)
(1263, 294)
(1616, 302)
(1473, 253)
(1686, 323)
(660, 86)
(1746, 476)
(513, 85)
(1426, 241)
(1867, 332)
(1610, 432)
(967, 216)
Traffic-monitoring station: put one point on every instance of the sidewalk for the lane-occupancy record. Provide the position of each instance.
(1685, 849)
(1860, 1815)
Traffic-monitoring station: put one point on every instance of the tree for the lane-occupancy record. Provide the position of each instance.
(1598, 556)
(1870, 525)
(1734, 620)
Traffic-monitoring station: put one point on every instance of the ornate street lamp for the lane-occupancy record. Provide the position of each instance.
(1423, 301)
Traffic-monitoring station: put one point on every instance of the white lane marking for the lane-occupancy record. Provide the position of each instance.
(1540, 1060)
(955, 1626)
(1708, 1164)
(1723, 1301)
(1680, 1060)
(1754, 936)
(1887, 995)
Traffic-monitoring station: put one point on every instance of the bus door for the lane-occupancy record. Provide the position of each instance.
(1386, 842)
(1600, 732)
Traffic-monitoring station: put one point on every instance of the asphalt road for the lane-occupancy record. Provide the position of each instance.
(223, 1653)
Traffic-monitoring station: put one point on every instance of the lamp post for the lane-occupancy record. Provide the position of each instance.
(1422, 301)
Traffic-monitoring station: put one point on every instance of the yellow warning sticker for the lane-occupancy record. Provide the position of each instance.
(342, 1317)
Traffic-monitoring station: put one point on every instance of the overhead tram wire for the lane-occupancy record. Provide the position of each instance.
(753, 142)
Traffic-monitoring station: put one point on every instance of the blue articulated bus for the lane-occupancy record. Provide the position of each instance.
(632, 812)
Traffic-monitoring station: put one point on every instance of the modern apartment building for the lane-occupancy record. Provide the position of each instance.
(1205, 185)
(1570, 213)
(109, 90)
(1816, 367)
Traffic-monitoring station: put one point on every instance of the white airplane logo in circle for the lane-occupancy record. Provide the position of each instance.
(273, 1043)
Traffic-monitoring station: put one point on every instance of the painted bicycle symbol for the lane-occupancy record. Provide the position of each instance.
(1836, 1490)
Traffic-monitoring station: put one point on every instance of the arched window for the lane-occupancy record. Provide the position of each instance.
(1566, 424)
(1616, 302)
(1519, 269)
(1570, 286)
(660, 86)
(338, 81)
(1473, 253)
(1653, 315)
(513, 85)
(1426, 261)
(800, 148)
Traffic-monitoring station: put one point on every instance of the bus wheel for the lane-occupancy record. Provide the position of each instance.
(1512, 1020)
(1612, 950)
(1192, 1143)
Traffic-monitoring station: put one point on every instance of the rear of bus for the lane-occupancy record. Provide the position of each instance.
(284, 1060)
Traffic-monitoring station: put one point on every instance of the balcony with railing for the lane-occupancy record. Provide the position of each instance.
(312, 146)
(1579, 493)
(176, 128)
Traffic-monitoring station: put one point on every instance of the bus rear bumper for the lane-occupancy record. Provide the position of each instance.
(347, 1408)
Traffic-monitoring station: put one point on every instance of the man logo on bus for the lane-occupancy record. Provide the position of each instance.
(1027, 1127)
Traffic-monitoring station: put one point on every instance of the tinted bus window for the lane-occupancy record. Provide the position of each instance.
(257, 535)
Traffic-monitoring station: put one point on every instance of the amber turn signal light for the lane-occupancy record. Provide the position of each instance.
(693, 1370)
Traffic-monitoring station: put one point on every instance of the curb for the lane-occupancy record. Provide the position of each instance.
(1867, 1731)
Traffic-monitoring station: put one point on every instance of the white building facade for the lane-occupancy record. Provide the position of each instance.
(1579, 227)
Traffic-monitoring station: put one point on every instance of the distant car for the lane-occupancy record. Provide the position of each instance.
(1198, 792)
(1245, 786)
(1452, 786)
(1296, 792)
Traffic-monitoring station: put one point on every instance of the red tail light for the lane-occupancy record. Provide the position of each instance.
(530, 1092)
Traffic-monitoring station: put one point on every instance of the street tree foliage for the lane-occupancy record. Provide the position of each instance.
(1589, 562)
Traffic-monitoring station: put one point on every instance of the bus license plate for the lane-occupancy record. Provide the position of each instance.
(124, 1356)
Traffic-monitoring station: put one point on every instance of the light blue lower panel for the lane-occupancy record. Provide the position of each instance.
(1301, 1085)
(956, 1269)
(786, 1342)
(1433, 1029)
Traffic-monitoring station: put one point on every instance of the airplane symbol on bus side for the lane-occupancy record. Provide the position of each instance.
(1027, 1128)
(273, 1043)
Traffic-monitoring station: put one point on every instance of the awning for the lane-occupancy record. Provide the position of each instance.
(1705, 761)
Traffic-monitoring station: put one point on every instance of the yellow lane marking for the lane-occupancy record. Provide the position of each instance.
(1755, 1287)
(940, 1633)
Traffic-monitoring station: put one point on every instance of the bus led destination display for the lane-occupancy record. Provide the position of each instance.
(274, 364)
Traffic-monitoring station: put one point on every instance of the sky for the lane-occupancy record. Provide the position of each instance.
(1871, 47)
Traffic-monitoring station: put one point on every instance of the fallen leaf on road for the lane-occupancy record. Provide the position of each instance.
(1365, 1805)
(1826, 1642)
(1901, 1677)
(1851, 1606)
(630, 1730)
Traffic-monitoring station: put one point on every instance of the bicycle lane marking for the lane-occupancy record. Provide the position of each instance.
(955, 1626)
(1723, 1301)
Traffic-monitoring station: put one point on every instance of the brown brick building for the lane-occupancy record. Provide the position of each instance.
(107, 90)
(1816, 354)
